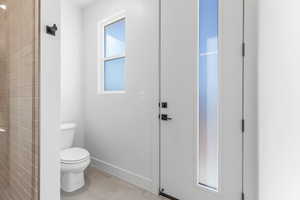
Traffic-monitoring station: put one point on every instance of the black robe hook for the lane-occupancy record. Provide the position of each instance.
(51, 30)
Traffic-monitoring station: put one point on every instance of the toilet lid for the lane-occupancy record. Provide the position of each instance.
(73, 155)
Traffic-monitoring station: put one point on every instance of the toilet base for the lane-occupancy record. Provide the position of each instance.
(71, 182)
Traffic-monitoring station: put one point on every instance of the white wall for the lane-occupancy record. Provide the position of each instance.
(72, 68)
(50, 103)
(279, 99)
(121, 128)
(250, 109)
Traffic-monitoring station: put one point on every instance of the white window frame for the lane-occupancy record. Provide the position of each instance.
(101, 53)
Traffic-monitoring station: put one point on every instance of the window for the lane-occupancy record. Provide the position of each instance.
(208, 169)
(112, 78)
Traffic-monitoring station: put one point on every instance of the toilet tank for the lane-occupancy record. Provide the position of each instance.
(67, 135)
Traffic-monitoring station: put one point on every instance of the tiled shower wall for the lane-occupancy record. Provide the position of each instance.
(19, 100)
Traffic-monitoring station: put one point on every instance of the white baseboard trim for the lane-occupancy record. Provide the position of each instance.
(126, 175)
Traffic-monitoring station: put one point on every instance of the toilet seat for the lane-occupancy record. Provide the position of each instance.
(74, 155)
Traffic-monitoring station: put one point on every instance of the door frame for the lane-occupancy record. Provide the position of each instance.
(49, 172)
(49, 188)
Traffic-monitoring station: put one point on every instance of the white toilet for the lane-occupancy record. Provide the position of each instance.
(73, 160)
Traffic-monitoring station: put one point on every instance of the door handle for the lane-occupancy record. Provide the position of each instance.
(165, 117)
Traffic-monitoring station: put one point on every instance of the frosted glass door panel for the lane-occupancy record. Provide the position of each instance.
(208, 94)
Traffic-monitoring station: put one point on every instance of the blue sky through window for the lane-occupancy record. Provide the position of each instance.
(115, 39)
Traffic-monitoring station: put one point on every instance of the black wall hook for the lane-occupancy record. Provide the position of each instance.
(51, 30)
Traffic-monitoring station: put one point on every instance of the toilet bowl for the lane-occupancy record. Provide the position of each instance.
(73, 163)
(73, 160)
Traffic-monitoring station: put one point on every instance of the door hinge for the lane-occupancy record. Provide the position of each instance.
(243, 49)
(243, 125)
(243, 196)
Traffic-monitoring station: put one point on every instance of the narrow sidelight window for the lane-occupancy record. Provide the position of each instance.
(113, 55)
(208, 163)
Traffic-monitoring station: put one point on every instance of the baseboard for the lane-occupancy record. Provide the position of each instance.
(126, 175)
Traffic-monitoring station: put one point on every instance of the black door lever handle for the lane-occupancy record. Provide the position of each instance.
(165, 117)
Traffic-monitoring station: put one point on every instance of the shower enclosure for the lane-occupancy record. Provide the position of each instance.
(19, 99)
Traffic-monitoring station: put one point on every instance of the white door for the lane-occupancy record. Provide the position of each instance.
(201, 81)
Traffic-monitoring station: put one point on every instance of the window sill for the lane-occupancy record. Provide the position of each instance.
(112, 92)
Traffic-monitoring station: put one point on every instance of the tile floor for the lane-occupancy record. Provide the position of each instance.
(101, 186)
